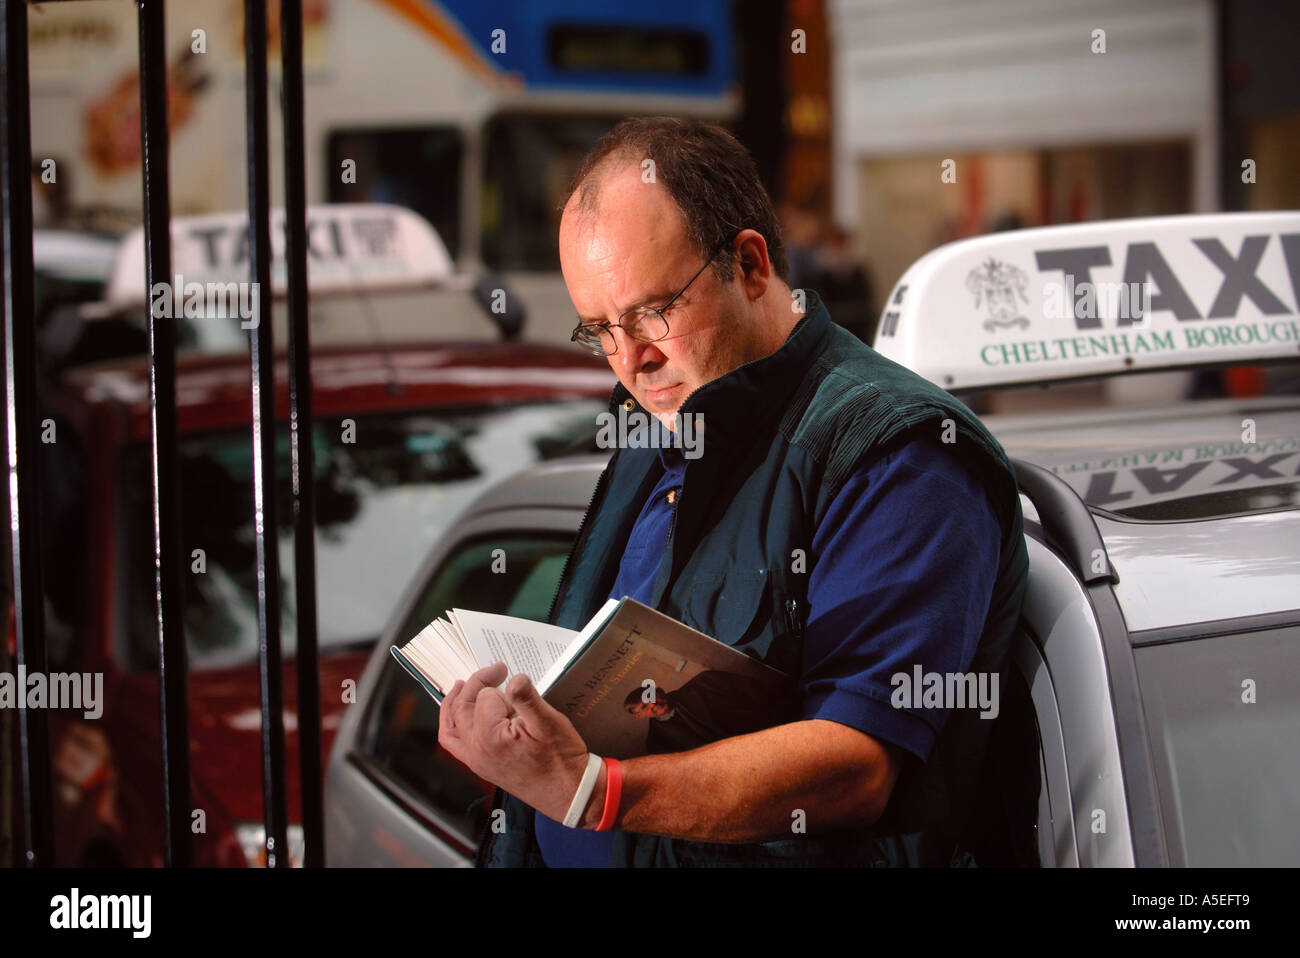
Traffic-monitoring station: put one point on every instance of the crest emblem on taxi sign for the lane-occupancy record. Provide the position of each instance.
(998, 284)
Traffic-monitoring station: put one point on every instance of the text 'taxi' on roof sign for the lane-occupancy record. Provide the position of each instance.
(1090, 299)
(353, 247)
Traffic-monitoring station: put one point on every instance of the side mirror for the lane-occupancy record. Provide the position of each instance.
(503, 307)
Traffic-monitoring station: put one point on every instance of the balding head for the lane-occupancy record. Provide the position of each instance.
(626, 243)
(707, 172)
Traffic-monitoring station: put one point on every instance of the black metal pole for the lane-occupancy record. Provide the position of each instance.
(262, 370)
(300, 433)
(172, 659)
(21, 422)
(1227, 186)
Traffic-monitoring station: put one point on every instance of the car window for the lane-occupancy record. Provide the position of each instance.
(515, 575)
(1222, 713)
(385, 492)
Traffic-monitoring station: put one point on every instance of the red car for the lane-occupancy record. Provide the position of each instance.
(404, 437)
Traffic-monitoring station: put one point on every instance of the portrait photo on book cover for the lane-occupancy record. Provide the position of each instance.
(712, 705)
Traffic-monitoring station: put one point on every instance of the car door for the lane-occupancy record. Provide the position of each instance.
(393, 797)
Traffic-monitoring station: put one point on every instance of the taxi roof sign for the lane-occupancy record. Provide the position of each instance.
(351, 247)
(1092, 299)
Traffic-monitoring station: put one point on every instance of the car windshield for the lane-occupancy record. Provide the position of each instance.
(1223, 716)
(385, 491)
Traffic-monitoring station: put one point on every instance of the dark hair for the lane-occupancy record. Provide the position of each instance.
(706, 171)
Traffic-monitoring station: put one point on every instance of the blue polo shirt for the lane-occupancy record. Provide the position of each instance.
(901, 573)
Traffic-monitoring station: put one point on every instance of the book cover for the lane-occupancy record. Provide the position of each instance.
(648, 683)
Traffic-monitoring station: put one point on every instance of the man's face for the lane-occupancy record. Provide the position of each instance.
(633, 250)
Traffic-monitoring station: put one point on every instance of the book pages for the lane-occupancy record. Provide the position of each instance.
(524, 646)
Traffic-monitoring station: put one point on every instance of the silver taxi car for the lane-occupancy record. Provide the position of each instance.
(1151, 708)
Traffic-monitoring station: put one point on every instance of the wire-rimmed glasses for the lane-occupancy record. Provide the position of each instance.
(646, 324)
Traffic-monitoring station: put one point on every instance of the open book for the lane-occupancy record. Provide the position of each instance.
(632, 681)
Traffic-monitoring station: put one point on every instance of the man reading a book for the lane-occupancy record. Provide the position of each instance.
(825, 529)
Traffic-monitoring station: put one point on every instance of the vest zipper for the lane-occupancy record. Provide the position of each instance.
(672, 525)
(577, 541)
(793, 618)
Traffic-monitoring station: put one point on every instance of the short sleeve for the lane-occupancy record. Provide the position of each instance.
(902, 571)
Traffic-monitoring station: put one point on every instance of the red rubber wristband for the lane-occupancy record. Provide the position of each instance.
(613, 792)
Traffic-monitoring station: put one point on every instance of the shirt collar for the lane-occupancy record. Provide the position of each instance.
(671, 458)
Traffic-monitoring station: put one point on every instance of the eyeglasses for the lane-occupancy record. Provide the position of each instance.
(645, 324)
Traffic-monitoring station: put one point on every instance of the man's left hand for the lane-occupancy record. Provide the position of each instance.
(514, 739)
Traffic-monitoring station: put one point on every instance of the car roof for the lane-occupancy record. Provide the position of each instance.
(73, 254)
(564, 483)
(1235, 571)
(1118, 458)
(1212, 565)
(213, 392)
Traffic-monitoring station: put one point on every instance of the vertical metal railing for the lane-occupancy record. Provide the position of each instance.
(21, 423)
(22, 410)
(172, 666)
(302, 463)
(262, 372)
